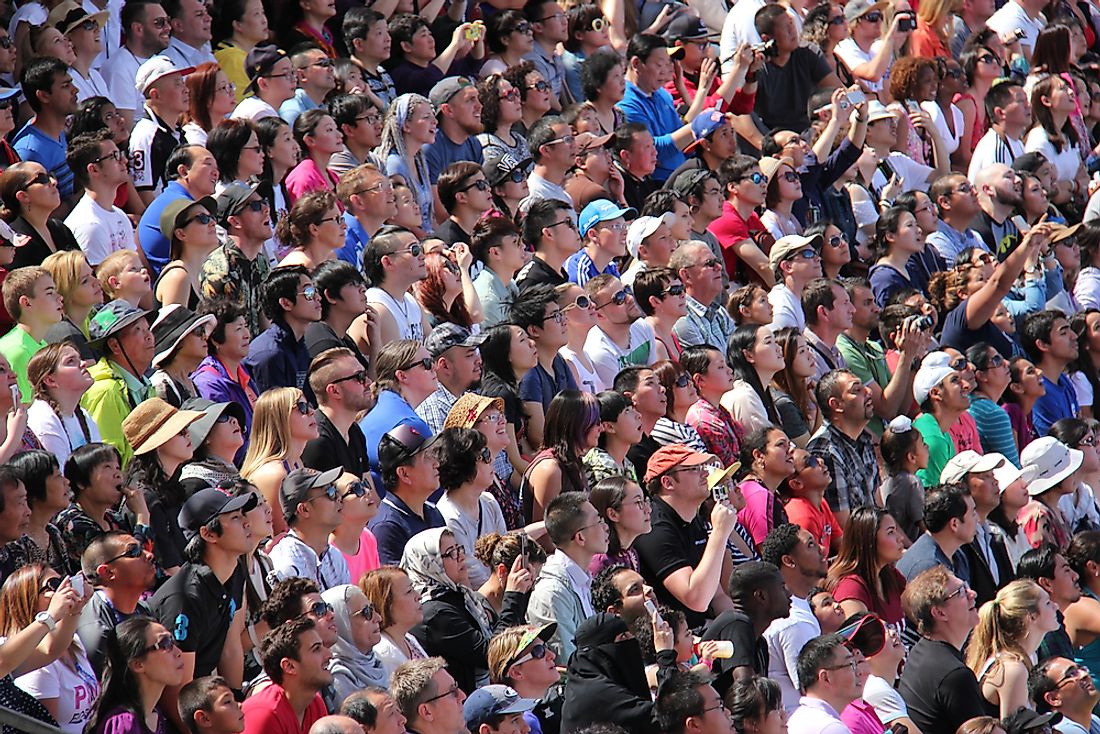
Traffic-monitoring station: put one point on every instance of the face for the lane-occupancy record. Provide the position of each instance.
(866, 310)
(1064, 589)
(197, 237)
(52, 43)
(553, 24)
(313, 659)
(193, 22)
(842, 312)
(41, 194)
(422, 45)
(137, 341)
(835, 254)
(225, 715)
(305, 307)
(316, 71)
(718, 376)
(537, 100)
(105, 483)
(453, 556)
(1074, 688)
(641, 157)
(253, 22)
(446, 709)
(326, 138)
(888, 541)
(634, 591)
(164, 666)
(1029, 382)
(390, 720)
(202, 176)
(1063, 342)
(16, 516)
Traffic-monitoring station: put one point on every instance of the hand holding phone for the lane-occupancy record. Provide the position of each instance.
(16, 396)
(77, 582)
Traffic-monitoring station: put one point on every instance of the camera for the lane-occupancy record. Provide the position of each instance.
(924, 323)
(767, 48)
(907, 24)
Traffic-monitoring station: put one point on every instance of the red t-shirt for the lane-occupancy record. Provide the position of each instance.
(730, 229)
(819, 523)
(268, 712)
(855, 588)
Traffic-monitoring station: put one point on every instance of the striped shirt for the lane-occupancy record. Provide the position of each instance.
(994, 428)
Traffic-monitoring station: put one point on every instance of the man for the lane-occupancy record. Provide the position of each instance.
(795, 261)
(829, 312)
(465, 196)
(706, 322)
(745, 187)
(368, 41)
(594, 176)
(1052, 346)
(635, 156)
(990, 565)
(649, 68)
(496, 245)
(1009, 113)
(1025, 15)
(420, 67)
(563, 592)
(910, 175)
(158, 133)
(120, 385)
(549, 26)
(620, 338)
(342, 388)
(342, 291)
(121, 572)
(621, 591)
(713, 141)
(271, 82)
(393, 260)
(831, 679)
(791, 71)
(147, 33)
(957, 200)
(315, 78)
(278, 357)
(99, 167)
(602, 226)
(311, 506)
(759, 597)
(943, 394)
(1000, 191)
(410, 474)
(553, 149)
(496, 708)
(83, 31)
(1062, 686)
(537, 312)
(801, 563)
(237, 268)
(950, 521)
(360, 126)
(297, 663)
(369, 201)
(681, 557)
(844, 444)
(428, 697)
(549, 228)
(1048, 567)
(51, 95)
(201, 604)
(939, 690)
(191, 173)
(689, 704)
(867, 359)
(650, 243)
(190, 43)
(660, 295)
(969, 19)
(703, 195)
(296, 598)
(458, 112)
(513, 662)
(455, 353)
(31, 297)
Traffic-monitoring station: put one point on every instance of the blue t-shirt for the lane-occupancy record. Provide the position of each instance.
(154, 244)
(443, 152)
(34, 145)
(1060, 401)
(355, 241)
(390, 411)
(958, 333)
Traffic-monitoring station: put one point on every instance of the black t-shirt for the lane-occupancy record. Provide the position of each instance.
(670, 545)
(783, 91)
(1000, 237)
(329, 450)
(320, 337)
(939, 690)
(450, 232)
(748, 649)
(536, 272)
(639, 453)
(959, 333)
(198, 609)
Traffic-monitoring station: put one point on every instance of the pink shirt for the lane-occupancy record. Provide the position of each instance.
(366, 559)
(756, 515)
(964, 434)
(306, 177)
(860, 718)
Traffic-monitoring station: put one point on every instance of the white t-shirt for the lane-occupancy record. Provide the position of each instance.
(1012, 16)
(587, 380)
(60, 436)
(786, 308)
(740, 27)
(609, 358)
(852, 56)
(468, 529)
(253, 108)
(993, 148)
(76, 690)
(913, 175)
(119, 72)
(93, 86)
(885, 699)
(32, 13)
(100, 231)
(1066, 163)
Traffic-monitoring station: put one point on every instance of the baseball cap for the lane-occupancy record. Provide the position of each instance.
(877, 111)
(260, 60)
(1050, 461)
(686, 26)
(704, 125)
(402, 443)
(933, 370)
(721, 476)
(449, 334)
(590, 141)
(792, 244)
(155, 69)
(1025, 720)
(856, 9)
(211, 412)
(686, 180)
(643, 227)
(969, 462)
(493, 700)
(448, 87)
(296, 486)
(206, 504)
(674, 456)
(602, 210)
(232, 198)
(499, 165)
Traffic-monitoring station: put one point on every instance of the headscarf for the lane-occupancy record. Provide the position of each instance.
(364, 668)
(393, 141)
(599, 656)
(424, 565)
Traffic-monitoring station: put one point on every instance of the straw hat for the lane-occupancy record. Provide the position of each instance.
(153, 422)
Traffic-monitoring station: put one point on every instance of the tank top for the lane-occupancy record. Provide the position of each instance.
(1089, 655)
(410, 322)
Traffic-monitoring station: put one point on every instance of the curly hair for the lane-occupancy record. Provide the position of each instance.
(905, 75)
(815, 28)
(308, 211)
(431, 297)
(459, 454)
(517, 75)
(488, 91)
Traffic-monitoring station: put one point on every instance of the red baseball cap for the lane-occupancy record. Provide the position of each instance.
(674, 456)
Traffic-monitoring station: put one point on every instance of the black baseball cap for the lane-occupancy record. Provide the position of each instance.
(206, 504)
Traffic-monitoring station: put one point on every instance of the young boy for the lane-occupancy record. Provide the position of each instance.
(123, 276)
(496, 709)
(31, 297)
(807, 507)
(207, 706)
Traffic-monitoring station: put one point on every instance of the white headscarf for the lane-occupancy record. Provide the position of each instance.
(424, 565)
(363, 667)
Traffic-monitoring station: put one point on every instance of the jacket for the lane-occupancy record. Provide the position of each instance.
(981, 580)
(109, 401)
(278, 359)
(553, 599)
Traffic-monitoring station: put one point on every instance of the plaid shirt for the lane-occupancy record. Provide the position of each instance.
(701, 324)
(719, 431)
(852, 464)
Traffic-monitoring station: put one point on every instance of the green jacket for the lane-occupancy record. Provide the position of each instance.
(109, 400)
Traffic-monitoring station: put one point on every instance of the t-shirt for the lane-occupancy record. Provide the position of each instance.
(609, 358)
(1059, 401)
(34, 145)
(444, 151)
(268, 712)
(72, 682)
(940, 448)
(960, 334)
(151, 143)
(100, 231)
(783, 91)
(818, 522)
(18, 347)
(852, 56)
(993, 148)
(748, 649)
(670, 545)
(903, 495)
(1066, 162)
(856, 588)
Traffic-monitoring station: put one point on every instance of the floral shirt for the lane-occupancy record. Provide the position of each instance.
(598, 464)
(227, 273)
(1043, 525)
(25, 551)
(719, 431)
(78, 529)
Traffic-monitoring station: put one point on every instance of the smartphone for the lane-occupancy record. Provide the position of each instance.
(473, 33)
(886, 170)
(1021, 224)
(856, 98)
(913, 107)
(523, 547)
(77, 581)
(652, 609)
(720, 493)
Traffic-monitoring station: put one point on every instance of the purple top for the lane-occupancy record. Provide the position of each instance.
(122, 721)
(628, 558)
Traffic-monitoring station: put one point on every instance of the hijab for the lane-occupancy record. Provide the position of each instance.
(365, 668)
(424, 565)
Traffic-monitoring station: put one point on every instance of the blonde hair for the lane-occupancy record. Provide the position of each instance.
(270, 428)
(936, 12)
(502, 649)
(113, 266)
(1002, 624)
(64, 266)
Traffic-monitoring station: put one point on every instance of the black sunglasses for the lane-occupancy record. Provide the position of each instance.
(359, 489)
(486, 456)
(366, 612)
(683, 380)
(360, 377)
(303, 407)
(676, 289)
(619, 298)
(201, 218)
(51, 584)
(318, 609)
(42, 178)
(132, 551)
(481, 185)
(426, 363)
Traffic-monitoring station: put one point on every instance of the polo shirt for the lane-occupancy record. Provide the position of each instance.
(1060, 401)
(34, 145)
(18, 347)
(940, 448)
(868, 361)
(198, 609)
(355, 241)
(444, 151)
(926, 553)
(670, 545)
(390, 410)
(153, 243)
(814, 716)
(1068, 726)
(396, 523)
(939, 690)
(269, 712)
(818, 522)
(295, 106)
(329, 450)
(748, 649)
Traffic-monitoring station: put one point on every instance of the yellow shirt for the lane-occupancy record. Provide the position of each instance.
(231, 58)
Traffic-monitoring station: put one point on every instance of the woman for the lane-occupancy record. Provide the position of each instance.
(314, 230)
(359, 506)
(766, 456)
(790, 387)
(509, 38)
(825, 27)
(281, 154)
(354, 665)
(8, 103)
(211, 98)
(945, 114)
(508, 184)
(192, 230)
(511, 557)
(390, 591)
(680, 395)
(319, 139)
(1081, 617)
(469, 509)
(1023, 392)
(59, 378)
(236, 149)
(913, 82)
(77, 285)
(1082, 372)
(349, 80)
(603, 78)
(284, 422)
(625, 508)
(455, 625)
(755, 704)
(934, 30)
(447, 292)
(29, 195)
(507, 355)
(158, 434)
(217, 439)
(1034, 201)
(1079, 507)
(897, 239)
(47, 494)
(784, 189)
(994, 426)
(305, 22)
(181, 345)
(238, 27)
(142, 660)
(580, 317)
(755, 358)
(1005, 642)
(48, 42)
(258, 568)
(1051, 55)
(836, 253)
(1086, 288)
(572, 428)
(500, 110)
(486, 415)
(982, 67)
(863, 577)
(749, 305)
(410, 125)
(1002, 520)
(220, 377)
(621, 428)
(1053, 134)
(67, 687)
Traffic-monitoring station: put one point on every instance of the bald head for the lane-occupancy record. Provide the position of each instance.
(336, 724)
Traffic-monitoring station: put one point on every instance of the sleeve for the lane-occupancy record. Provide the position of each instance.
(1082, 389)
(838, 162)
(454, 637)
(530, 388)
(853, 588)
(548, 605)
(661, 551)
(123, 723)
(140, 156)
(42, 683)
(634, 112)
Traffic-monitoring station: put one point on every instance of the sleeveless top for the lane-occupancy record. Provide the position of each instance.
(410, 322)
(571, 481)
(990, 708)
(980, 126)
(192, 297)
(1089, 655)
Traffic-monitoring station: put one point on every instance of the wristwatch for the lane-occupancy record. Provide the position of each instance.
(47, 619)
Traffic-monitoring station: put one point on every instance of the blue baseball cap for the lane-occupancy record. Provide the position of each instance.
(602, 210)
(493, 700)
(704, 125)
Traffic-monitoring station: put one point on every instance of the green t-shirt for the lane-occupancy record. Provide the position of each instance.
(941, 448)
(18, 347)
(868, 362)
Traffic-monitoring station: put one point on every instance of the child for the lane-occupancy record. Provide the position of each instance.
(804, 496)
(1004, 321)
(207, 706)
(904, 452)
(123, 276)
(408, 211)
(496, 709)
(32, 299)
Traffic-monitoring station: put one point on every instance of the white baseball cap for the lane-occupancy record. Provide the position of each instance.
(157, 68)
(969, 462)
(643, 227)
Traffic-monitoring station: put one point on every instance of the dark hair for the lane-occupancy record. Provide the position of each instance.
(89, 113)
(83, 462)
(284, 602)
(748, 578)
(1000, 95)
(133, 11)
(33, 468)
(84, 150)
(281, 643)
(896, 447)
(488, 93)
(454, 180)
(888, 223)
(623, 137)
(495, 351)
(384, 242)
(813, 658)
(595, 70)
(780, 541)
(225, 311)
(858, 554)
(678, 698)
(541, 215)
(786, 380)
(609, 493)
(1070, 431)
(402, 28)
(604, 594)
(331, 277)
(580, 21)
(1044, 118)
(1084, 547)
(198, 696)
(221, 27)
(1039, 683)
(743, 339)
(752, 698)
(1038, 563)
(499, 26)
(225, 142)
(305, 125)
(267, 132)
(944, 503)
(459, 455)
(280, 283)
(517, 76)
(563, 517)
(489, 232)
(1038, 327)
(541, 133)
(38, 76)
(734, 169)
(120, 687)
(529, 307)
(357, 22)
(571, 415)
(818, 292)
(1078, 323)
(1051, 53)
(765, 21)
(642, 46)
(612, 404)
(358, 706)
(651, 283)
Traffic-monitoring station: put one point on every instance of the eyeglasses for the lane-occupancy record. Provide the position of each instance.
(959, 364)
(426, 363)
(372, 119)
(6, 42)
(711, 263)
(229, 88)
(521, 27)
(203, 218)
(676, 289)
(641, 502)
(873, 17)
(542, 85)
(359, 489)
(325, 63)
(599, 521)
(581, 302)
(360, 377)
(333, 219)
(454, 553)
(537, 652)
(452, 691)
(567, 139)
(756, 177)
(308, 293)
(132, 551)
(1089, 440)
(51, 584)
(481, 185)
(511, 95)
(1072, 672)
(319, 609)
(558, 315)
(851, 662)
(117, 155)
(303, 407)
(414, 249)
(164, 644)
(618, 299)
(965, 587)
(366, 612)
(721, 706)
(160, 22)
(42, 178)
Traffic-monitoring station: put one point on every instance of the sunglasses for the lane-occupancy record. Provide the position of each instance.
(537, 652)
(618, 299)
(598, 24)
(366, 612)
(486, 456)
(426, 363)
(542, 86)
(42, 178)
(875, 17)
(52, 584)
(808, 254)
(414, 249)
(581, 302)
(987, 59)
(256, 205)
(511, 95)
(6, 42)
(756, 177)
(309, 293)
(359, 489)
(132, 551)
(481, 185)
(959, 364)
(303, 407)
(329, 493)
(994, 362)
(790, 176)
(202, 218)
(683, 380)
(838, 241)
(837, 20)
(164, 644)
(319, 609)
(676, 289)
(812, 462)
(522, 27)
(360, 377)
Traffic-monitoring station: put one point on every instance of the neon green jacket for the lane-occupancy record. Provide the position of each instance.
(109, 400)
